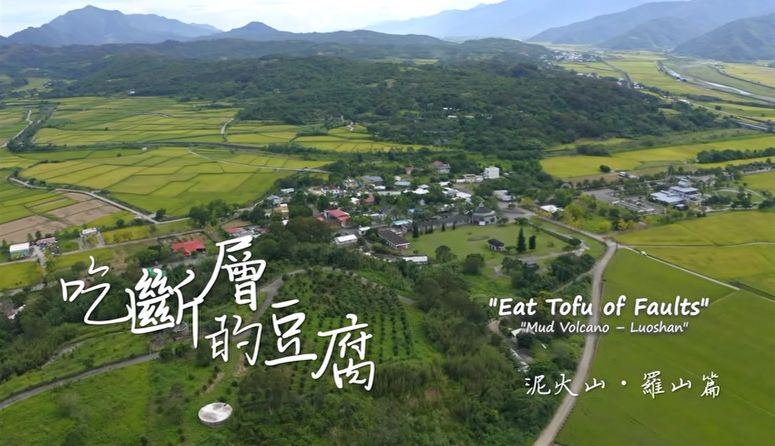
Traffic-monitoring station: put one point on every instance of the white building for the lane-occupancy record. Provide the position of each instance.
(346, 240)
(19, 250)
(491, 173)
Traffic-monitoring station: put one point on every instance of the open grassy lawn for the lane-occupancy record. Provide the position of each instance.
(467, 240)
(172, 178)
(93, 120)
(20, 274)
(572, 166)
(731, 338)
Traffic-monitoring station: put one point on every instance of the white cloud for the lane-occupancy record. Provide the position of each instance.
(291, 15)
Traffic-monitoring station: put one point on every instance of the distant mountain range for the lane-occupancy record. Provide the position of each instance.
(517, 19)
(95, 26)
(660, 25)
(260, 32)
(747, 39)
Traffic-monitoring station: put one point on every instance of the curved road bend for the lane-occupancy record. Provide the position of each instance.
(590, 344)
(271, 289)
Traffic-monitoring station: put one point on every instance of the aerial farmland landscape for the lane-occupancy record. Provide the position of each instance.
(513, 222)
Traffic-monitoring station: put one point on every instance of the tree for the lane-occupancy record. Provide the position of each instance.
(521, 245)
(444, 254)
(415, 231)
(532, 242)
(160, 213)
(199, 215)
(605, 169)
(443, 227)
(473, 264)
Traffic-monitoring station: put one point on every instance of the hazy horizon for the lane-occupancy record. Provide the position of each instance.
(288, 15)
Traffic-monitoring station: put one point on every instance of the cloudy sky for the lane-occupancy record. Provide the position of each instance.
(291, 15)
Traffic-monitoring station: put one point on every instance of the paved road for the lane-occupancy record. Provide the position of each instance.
(87, 374)
(585, 362)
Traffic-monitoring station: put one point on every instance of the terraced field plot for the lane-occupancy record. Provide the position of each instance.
(731, 338)
(580, 165)
(93, 120)
(338, 139)
(171, 178)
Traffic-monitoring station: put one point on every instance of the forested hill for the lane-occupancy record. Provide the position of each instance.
(73, 60)
(495, 105)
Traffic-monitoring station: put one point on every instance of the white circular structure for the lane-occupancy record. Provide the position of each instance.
(215, 414)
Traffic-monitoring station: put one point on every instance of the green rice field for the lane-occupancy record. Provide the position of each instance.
(171, 178)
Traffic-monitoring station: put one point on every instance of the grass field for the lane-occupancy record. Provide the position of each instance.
(78, 356)
(172, 178)
(572, 166)
(19, 274)
(730, 338)
(93, 120)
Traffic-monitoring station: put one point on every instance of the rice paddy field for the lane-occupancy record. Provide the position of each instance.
(13, 118)
(708, 72)
(731, 338)
(87, 121)
(571, 166)
(761, 182)
(97, 120)
(339, 139)
(753, 73)
(746, 257)
(172, 178)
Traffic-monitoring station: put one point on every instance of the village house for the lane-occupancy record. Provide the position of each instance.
(372, 180)
(338, 215)
(189, 247)
(496, 245)
(393, 239)
(441, 167)
(491, 173)
(346, 240)
(483, 216)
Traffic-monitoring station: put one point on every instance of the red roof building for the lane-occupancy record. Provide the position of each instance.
(339, 215)
(189, 247)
